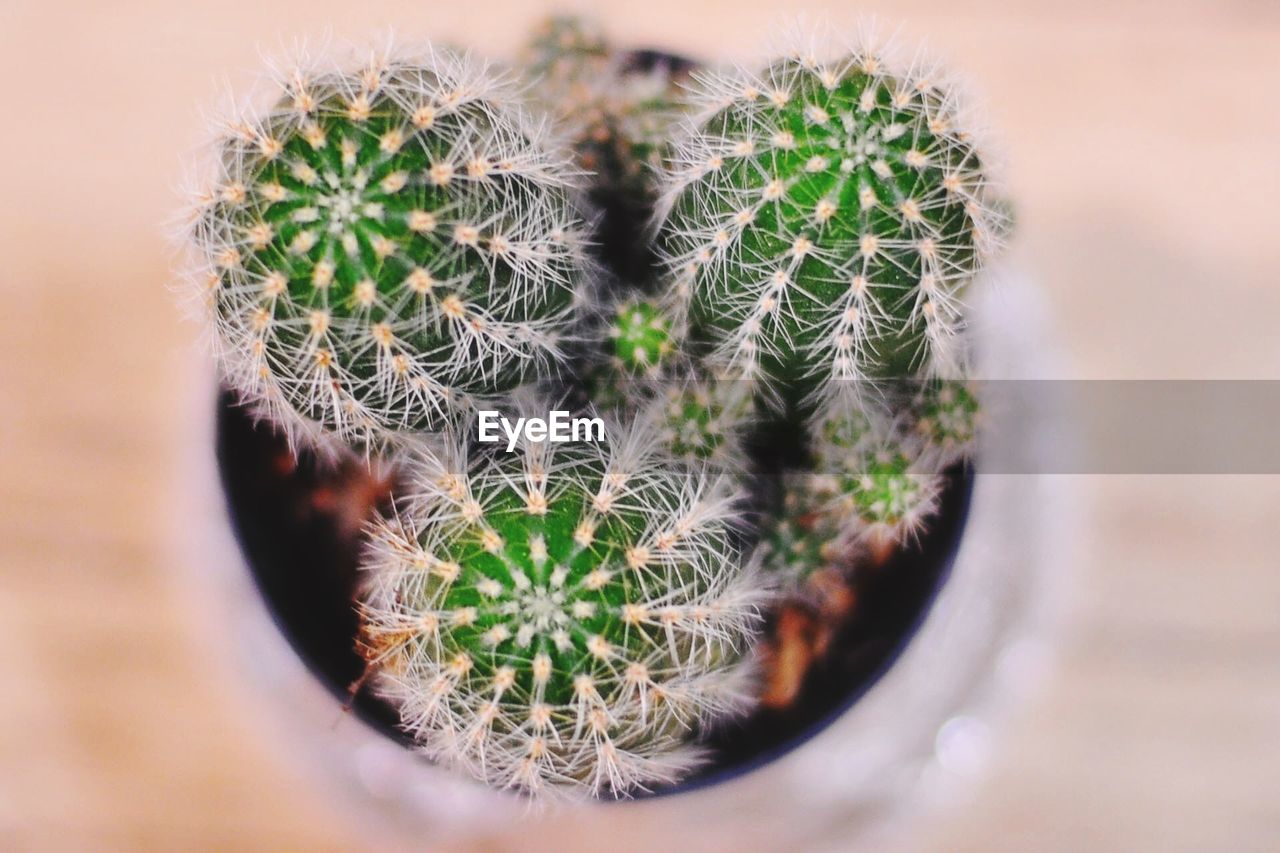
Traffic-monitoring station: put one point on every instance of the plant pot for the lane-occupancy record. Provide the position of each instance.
(914, 706)
(293, 520)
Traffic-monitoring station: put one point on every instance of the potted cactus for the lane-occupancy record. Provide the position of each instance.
(751, 281)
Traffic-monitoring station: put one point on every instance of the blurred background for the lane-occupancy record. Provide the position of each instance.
(1142, 143)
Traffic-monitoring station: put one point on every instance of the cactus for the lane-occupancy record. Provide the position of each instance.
(822, 220)
(873, 475)
(801, 539)
(641, 374)
(564, 618)
(875, 479)
(640, 339)
(628, 354)
(384, 250)
(704, 422)
(383, 246)
(617, 112)
(947, 417)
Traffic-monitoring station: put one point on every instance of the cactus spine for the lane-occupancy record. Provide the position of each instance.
(561, 619)
(381, 246)
(823, 219)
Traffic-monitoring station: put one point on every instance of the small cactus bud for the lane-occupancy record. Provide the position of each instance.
(642, 375)
(872, 474)
(948, 415)
(617, 114)
(639, 339)
(704, 422)
(801, 539)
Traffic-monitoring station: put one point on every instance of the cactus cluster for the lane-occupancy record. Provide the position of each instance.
(383, 245)
(822, 220)
(640, 372)
(561, 617)
(391, 245)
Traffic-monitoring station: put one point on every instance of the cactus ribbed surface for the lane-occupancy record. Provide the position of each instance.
(381, 246)
(822, 221)
(561, 618)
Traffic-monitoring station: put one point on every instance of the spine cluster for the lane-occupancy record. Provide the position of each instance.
(801, 539)
(561, 619)
(385, 244)
(947, 415)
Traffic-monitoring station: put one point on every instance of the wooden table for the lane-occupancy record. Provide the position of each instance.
(1142, 148)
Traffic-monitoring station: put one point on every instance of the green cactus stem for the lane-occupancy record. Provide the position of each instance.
(822, 221)
(383, 246)
(564, 618)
